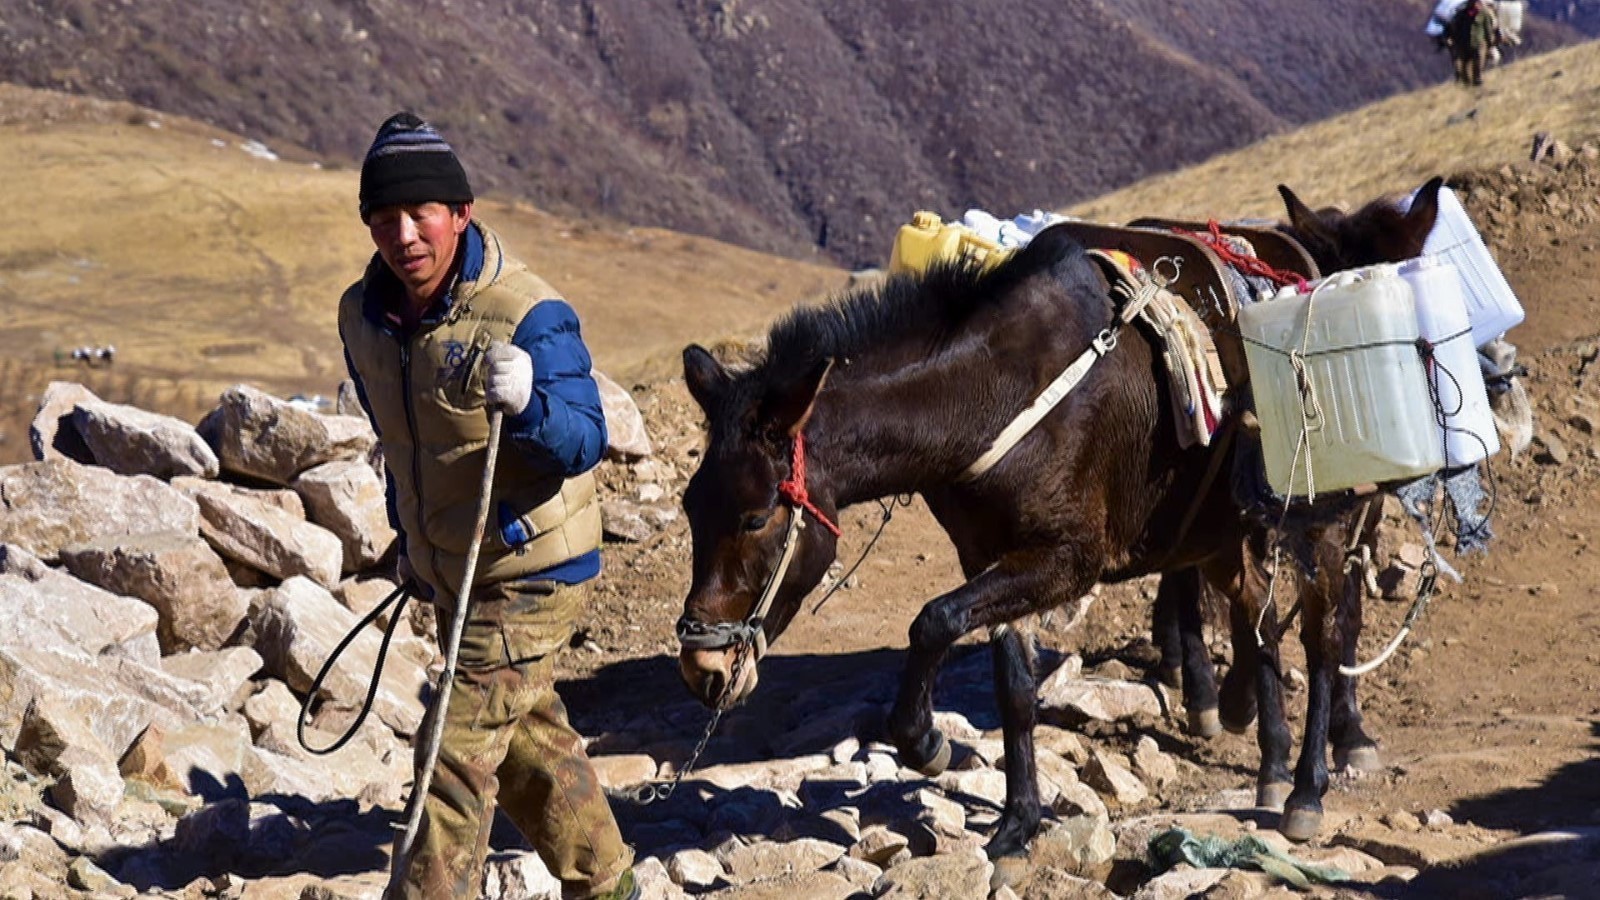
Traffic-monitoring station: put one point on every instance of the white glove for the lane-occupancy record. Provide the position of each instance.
(510, 380)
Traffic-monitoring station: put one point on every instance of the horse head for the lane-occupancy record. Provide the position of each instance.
(761, 526)
(1380, 232)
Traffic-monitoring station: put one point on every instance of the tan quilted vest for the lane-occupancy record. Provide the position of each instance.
(435, 432)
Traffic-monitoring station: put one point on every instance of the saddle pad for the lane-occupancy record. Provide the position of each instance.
(1188, 354)
(1185, 267)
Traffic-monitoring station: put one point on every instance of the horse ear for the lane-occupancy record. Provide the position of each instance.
(1424, 209)
(1302, 218)
(707, 379)
(788, 408)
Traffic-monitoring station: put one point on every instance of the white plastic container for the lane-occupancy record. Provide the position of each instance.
(1510, 13)
(1491, 305)
(1457, 380)
(1376, 421)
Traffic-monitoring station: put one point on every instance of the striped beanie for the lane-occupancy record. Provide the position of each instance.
(409, 162)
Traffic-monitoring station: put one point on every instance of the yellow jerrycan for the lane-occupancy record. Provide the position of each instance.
(928, 239)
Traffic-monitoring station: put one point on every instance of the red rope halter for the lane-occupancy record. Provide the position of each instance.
(794, 490)
(1250, 265)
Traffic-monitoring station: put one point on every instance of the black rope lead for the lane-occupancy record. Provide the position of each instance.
(401, 594)
(888, 506)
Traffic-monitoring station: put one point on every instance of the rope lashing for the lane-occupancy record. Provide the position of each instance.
(794, 489)
(1249, 265)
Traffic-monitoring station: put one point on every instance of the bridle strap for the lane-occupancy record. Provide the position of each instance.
(697, 635)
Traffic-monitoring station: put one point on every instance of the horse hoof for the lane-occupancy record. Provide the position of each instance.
(1239, 725)
(1363, 758)
(1301, 825)
(1204, 723)
(1172, 678)
(938, 762)
(1273, 796)
(1009, 871)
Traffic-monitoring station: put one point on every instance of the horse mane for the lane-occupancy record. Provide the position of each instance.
(915, 313)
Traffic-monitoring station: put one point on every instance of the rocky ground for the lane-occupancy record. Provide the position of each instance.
(170, 592)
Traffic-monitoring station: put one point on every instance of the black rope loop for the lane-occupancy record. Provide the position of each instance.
(401, 594)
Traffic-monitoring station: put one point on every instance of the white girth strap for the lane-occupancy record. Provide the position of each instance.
(1047, 400)
(1135, 294)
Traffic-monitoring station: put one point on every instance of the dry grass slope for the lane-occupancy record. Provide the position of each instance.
(205, 265)
(1392, 145)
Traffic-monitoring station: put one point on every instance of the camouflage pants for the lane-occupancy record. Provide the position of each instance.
(506, 738)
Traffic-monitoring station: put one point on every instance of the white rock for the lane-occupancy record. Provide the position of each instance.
(1180, 884)
(178, 574)
(131, 441)
(960, 874)
(261, 436)
(37, 598)
(1105, 701)
(769, 860)
(694, 869)
(1152, 765)
(624, 769)
(347, 498)
(625, 431)
(264, 537)
(223, 672)
(981, 785)
(1105, 774)
(519, 876)
(878, 845)
(653, 881)
(52, 434)
(45, 506)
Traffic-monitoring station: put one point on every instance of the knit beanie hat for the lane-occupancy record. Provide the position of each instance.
(409, 162)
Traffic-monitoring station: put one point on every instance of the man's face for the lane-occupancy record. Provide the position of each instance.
(418, 241)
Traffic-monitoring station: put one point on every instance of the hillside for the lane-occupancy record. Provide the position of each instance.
(205, 265)
(777, 124)
(1583, 15)
(1389, 146)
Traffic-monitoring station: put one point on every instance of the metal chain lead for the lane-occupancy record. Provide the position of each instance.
(647, 794)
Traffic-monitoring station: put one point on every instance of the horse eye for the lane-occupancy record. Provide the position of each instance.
(755, 521)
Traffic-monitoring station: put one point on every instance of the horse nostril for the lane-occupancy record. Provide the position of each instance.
(711, 687)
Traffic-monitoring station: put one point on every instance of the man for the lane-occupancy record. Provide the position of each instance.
(1471, 35)
(443, 327)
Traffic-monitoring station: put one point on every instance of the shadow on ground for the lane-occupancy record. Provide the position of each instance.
(1558, 856)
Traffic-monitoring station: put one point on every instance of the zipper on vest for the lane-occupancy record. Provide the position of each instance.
(416, 442)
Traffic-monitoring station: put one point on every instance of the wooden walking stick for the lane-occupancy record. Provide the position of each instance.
(441, 696)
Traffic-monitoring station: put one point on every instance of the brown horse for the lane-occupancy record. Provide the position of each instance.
(1380, 232)
(898, 389)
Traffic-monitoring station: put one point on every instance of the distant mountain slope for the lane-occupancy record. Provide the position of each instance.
(781, 124)
(1584, 15)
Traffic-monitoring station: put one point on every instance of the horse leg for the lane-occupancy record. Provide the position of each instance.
(1166, 633)
(1322, 635)
(1255, 676)
(1017, 585)
(1352, 747)
(1015, 687)
(1179, 632)
(1236, 702)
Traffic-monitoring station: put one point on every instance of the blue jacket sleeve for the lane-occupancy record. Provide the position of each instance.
(388, 479)
(564, 425)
